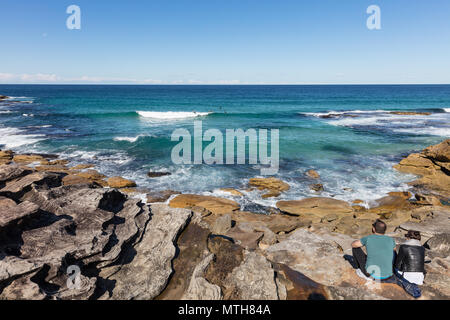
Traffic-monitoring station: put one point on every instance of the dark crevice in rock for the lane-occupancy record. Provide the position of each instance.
(49, 181)
(300, 286)
(127, 251)
(11, 236)
(126, 256)
(112, 201)
(101, 287)
(113, 240)
(177, 253)
(45, 287)
(191, 245)
(212, 236)
(71, 229)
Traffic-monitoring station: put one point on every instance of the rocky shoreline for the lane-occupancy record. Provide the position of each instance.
(55, 218)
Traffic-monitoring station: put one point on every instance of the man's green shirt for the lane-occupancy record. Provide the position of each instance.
(380, 255)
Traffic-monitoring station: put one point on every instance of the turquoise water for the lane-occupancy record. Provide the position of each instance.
(346, 133)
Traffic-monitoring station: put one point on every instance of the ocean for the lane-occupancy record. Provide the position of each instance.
(345, 132)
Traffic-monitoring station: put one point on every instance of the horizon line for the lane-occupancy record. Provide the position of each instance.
(227, 84)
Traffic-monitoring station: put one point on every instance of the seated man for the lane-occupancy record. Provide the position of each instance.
(380, 254)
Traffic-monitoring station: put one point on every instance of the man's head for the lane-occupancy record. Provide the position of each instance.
(379, 227)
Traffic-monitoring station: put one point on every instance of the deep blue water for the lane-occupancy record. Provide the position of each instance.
(346, 133)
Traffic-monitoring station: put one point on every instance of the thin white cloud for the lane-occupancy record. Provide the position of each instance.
(43, 78)
(229, 82)
(39, 77)
(28, 78)
(6, 77)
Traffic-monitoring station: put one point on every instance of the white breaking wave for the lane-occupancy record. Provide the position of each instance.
(340, 113)
(18, 98)
(171, 115)
(37, 127)
(416, 124)
(130, 139)
(446, 109)
(13, 137)
(432, 131)
(356, 121)
(6, 111)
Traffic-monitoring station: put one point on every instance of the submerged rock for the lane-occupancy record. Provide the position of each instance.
(410, 113)
(317, 187)
(153, 174)
(313, 174)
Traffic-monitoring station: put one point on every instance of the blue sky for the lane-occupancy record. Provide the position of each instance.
(225, 42)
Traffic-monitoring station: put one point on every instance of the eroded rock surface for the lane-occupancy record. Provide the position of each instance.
(147, 274)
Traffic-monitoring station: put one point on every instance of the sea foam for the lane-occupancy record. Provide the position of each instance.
(341, 113)
(13, 137)
(432, 131)
(171, 115)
